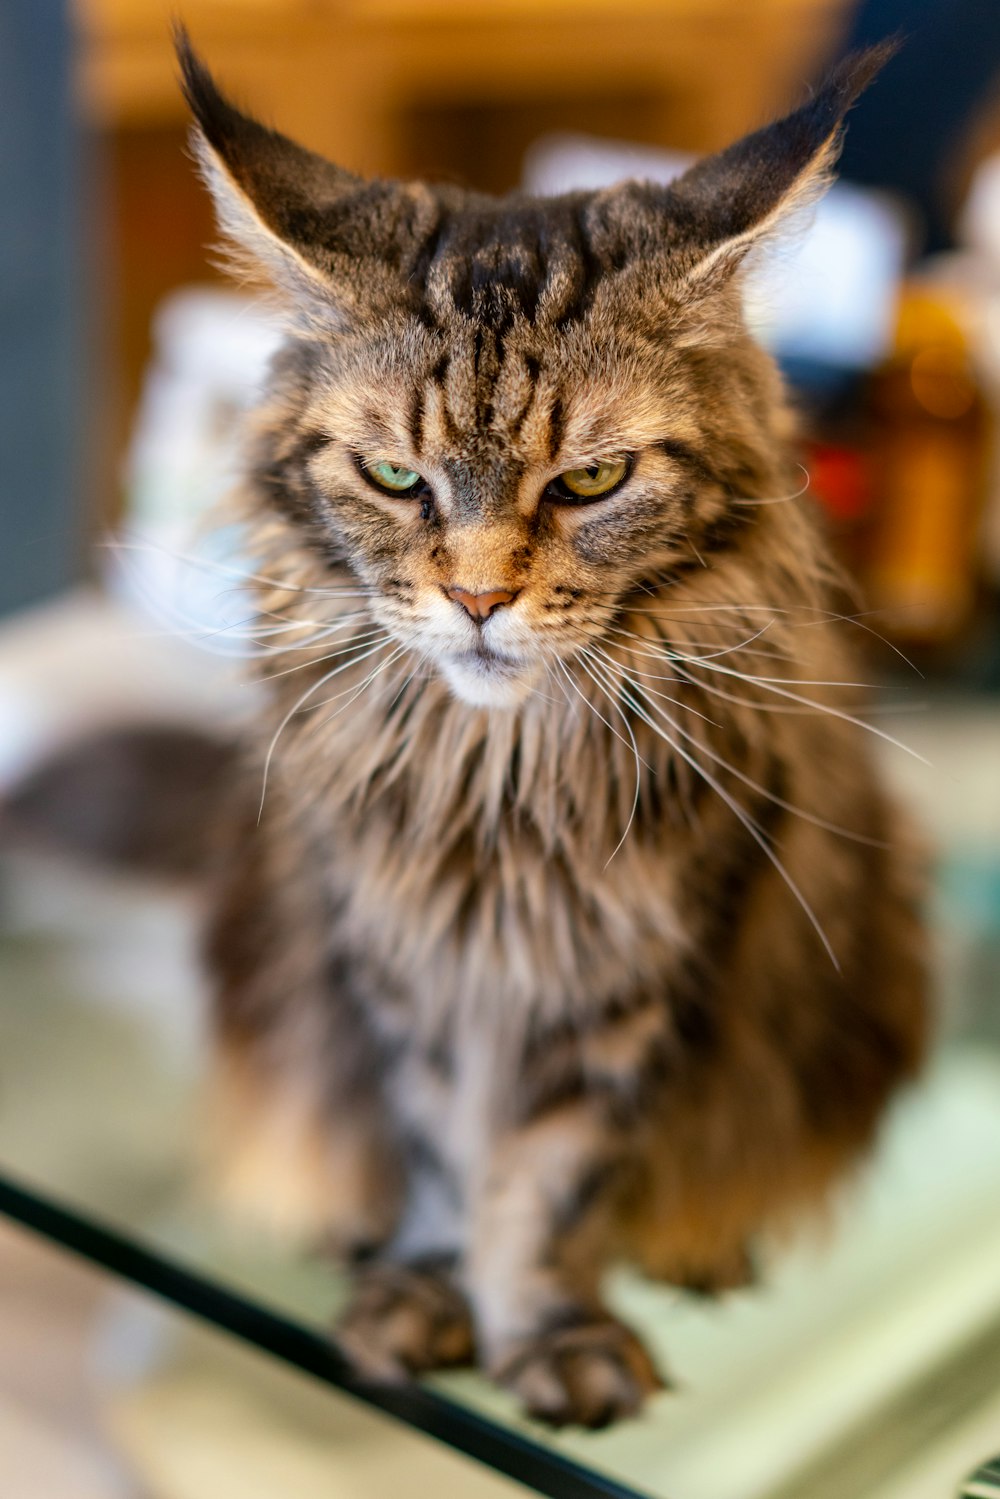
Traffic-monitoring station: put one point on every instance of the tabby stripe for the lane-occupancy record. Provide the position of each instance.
(723, 532)
(589, 272)
(439, 379)
(416, 420)
(689, 458)
(557, 427)
(532, 369)
(310, 443)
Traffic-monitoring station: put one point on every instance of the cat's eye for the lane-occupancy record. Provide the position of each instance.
(578, 485)
(394, 478)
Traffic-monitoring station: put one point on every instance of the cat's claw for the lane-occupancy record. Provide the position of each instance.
(589, 1375)
(403, 1321)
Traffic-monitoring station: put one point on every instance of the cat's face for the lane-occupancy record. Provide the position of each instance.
(505, 416)
(500, 492)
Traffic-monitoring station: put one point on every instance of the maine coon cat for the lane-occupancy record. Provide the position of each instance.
(563, 919)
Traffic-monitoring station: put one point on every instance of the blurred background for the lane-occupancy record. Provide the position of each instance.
(885, 316)
(125, 361)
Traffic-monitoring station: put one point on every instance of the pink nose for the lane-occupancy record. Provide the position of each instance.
(480, 606)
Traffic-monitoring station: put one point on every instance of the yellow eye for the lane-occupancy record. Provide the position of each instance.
(593, 482)
(393, 478)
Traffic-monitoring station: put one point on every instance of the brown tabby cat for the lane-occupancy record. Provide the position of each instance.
(573, 924)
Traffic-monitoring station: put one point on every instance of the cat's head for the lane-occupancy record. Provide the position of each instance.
(506, 416)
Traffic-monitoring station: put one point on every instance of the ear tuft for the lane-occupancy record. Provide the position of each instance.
(734, 198)
(846, 83)
(709, 218)
(283, 180)
(215, 116)
(823, 115)
(276, 202)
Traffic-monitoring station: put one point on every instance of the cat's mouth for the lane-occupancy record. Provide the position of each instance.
(489, 661)
(484, 678)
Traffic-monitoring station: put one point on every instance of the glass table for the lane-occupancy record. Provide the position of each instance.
(867, 1367)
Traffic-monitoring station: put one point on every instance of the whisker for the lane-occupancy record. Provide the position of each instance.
(820, 822)
(583, 697)
(210, 565)
(657, 677)
(584, 655)
(369, 679)
(240, 639)
(370, 651)
(295, 708)
(744, 817)
(713, 654)
(373, 636)
(571, 705)
(826, 616)
(781, 499)
(785, 709)
(855, 619)
(770, 684)
(403, 686)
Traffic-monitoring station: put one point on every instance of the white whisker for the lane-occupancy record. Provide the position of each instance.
(770, 684)
(657, 677)
(299, 704)
(584, 656)
(752, 827)
(668, 649)
(375, 636)
(369, 679)
(781, 499)
(210, 565)
(820, 822)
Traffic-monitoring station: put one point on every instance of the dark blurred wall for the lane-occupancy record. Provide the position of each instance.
(42, 493)
(907, 133)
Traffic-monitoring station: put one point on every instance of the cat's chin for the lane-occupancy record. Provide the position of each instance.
(487, 681)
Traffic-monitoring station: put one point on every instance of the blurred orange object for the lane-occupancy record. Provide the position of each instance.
(929, 460)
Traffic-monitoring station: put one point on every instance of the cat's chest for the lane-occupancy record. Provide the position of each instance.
(506, 925)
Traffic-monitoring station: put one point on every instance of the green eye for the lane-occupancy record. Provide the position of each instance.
(393, 478)
(592, 482)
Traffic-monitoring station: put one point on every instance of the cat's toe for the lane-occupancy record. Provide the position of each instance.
(403, 1321)
(591, 1374)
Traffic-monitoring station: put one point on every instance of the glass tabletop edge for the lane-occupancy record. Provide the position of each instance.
(503, 1450)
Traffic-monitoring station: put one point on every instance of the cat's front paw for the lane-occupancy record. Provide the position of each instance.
(588, 1374)
(402, 1321)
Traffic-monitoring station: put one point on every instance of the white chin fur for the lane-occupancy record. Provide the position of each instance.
(484, 687)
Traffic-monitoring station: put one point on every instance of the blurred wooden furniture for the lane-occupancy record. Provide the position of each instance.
(351, 76)
(448, 88)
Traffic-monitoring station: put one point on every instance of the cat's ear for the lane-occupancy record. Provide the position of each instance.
(316, 231)
(706, 220)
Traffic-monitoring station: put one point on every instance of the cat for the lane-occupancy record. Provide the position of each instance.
(562, 917)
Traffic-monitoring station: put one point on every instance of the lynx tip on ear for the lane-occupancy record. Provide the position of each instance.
(215, 116)
(846, 82)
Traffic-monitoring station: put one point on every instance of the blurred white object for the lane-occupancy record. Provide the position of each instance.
(825, 291)
(210, 357)
(979, 221)
(211, 351)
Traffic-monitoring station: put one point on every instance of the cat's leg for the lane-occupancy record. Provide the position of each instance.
(297, 1131)
(408, 1312)
(546, 1224)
